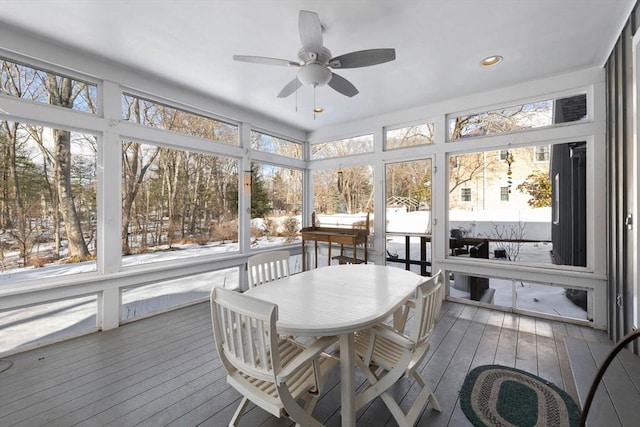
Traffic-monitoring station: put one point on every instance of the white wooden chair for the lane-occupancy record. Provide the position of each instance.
(386, 354)
(267, 266)
(272, 372)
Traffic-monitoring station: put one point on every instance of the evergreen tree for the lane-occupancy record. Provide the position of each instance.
(260, 200)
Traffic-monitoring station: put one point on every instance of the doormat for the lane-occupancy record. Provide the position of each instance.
(494, 395)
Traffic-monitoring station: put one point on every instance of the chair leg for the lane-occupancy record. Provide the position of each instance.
(295, 411)
(378, 385)
(426, 390)
(239, 412)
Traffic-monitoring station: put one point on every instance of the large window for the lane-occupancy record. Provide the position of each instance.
(408, 215)
(26, 327)
(48, 208)
(550, 300)
(342, 147)
(145, 300)
(174, 199)
(409, 136)
(522, 230)
(276, 204)
(343, 190)
(155, 114)
(518, 118)
(271, 144)
(47, 87)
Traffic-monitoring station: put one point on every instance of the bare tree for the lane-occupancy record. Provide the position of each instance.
(135, 164)
(63, 92)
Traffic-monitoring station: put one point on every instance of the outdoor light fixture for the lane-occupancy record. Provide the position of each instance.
(490, 61)
(248, 181)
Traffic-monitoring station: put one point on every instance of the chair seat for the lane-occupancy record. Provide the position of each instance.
(299, 384)
(386, 354)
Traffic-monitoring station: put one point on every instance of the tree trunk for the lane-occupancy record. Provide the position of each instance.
(63, 95)
(75, 240)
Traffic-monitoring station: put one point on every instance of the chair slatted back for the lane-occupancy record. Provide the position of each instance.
(245, 332)
(428, 304)
(267, 267)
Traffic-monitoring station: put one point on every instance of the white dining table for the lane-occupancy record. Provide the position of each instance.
(338, 300)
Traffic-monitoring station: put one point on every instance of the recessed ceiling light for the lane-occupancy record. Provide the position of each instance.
(318, 110)
(490, 61)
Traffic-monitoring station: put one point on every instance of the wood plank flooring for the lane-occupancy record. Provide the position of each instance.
(617, 399)
(164, 370)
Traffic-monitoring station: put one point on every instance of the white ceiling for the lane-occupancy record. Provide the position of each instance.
(439, 44)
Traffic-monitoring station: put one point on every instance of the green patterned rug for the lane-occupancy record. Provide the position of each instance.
(494, 395)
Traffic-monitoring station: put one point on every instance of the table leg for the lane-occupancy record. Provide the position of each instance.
(304, 261)
(423, 256)
(316, 253)
(347, 380)
(407, 253)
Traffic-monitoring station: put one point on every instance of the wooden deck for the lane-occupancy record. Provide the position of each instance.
(164, 370)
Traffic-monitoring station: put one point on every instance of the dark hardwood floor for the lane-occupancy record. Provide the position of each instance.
(164, 370)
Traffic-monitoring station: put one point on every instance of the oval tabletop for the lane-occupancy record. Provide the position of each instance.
(337, 299)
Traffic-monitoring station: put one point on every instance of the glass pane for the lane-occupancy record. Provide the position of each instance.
(276, 205)
(46, 87)
(49, 202)
(554, 300)
(519, 117)
(409, 136)
(29, 327)
(271, 144)
(343, 147)
(408, 211)
(343, 190)
(508, 204)
(177, 200)
(154, 114)
(145, 300)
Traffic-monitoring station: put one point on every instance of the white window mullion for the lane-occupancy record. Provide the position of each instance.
(110, 205)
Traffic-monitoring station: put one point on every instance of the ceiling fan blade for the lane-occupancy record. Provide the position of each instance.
(265, 60)
(310, 31)
(363, 58)
(342, 85)
(290, 87)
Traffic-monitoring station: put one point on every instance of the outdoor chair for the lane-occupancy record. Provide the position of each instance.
(386, 354)
(267, 267)
(272, 372)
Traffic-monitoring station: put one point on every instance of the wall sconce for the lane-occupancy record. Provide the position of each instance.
(248, 181)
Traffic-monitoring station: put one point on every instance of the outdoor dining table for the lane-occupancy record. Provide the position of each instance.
(338, 300)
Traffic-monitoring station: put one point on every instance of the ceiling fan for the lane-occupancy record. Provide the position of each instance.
(315, 60)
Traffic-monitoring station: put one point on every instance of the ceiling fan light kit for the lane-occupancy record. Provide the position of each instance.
(314, 75)
(315, 60)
